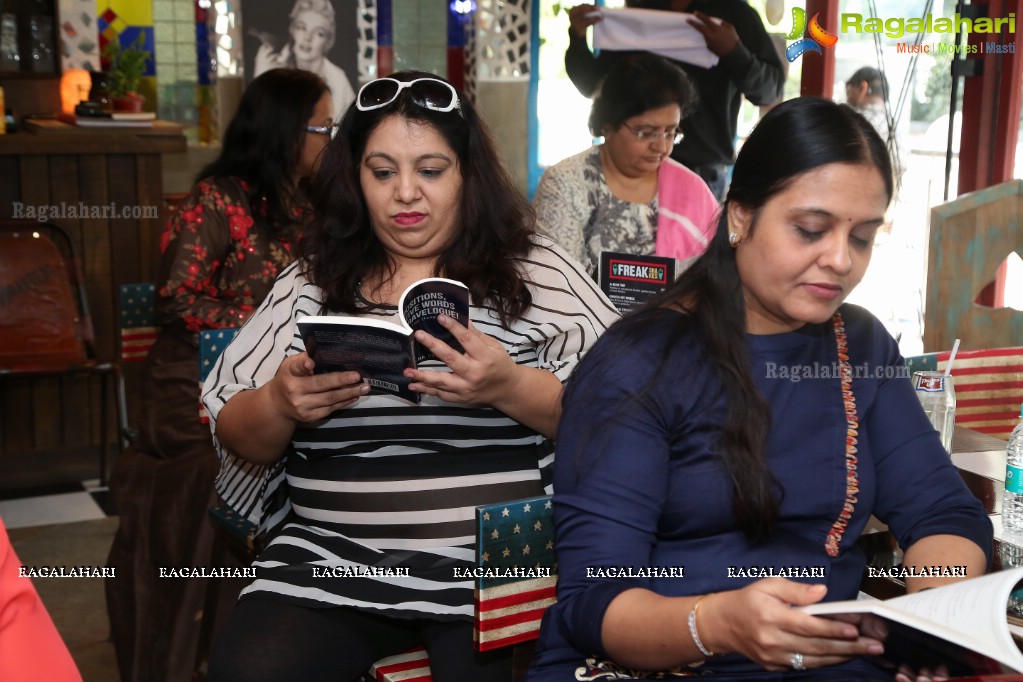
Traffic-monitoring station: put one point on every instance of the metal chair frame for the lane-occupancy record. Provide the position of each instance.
(86, 363)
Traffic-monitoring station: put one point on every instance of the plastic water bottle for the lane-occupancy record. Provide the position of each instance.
(1012, 499)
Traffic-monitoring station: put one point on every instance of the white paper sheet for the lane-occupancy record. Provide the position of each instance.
(668, 34)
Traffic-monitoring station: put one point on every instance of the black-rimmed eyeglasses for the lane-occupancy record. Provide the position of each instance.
(330, 131)
(655, 135)
(429, 93)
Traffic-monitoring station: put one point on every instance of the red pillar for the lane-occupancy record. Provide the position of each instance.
(991, 114)
(991, 104)
(818, 78)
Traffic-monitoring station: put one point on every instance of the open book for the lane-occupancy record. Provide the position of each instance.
(963, 625)
(380, 350)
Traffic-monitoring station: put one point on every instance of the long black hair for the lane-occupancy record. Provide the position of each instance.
(263, 141)
(795, 137)
(494, 223)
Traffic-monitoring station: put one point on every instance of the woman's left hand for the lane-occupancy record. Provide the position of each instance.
(874, 627)
(479, 376)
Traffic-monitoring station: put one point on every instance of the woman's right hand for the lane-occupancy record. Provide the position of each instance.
(582, 17)
(301, 395)
(758, 621)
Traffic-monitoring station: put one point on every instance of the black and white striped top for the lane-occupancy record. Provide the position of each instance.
(388, 484)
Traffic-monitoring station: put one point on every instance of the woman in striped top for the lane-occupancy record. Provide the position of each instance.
(369, 499)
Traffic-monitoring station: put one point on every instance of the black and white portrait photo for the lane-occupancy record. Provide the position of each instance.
(315, 35)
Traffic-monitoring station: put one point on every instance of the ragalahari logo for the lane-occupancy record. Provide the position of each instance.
(818, 36)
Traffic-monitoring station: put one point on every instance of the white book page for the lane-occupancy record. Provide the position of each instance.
(353, 321)
(971, 613)
(973, 609)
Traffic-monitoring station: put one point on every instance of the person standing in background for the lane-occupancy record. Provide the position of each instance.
(866, 91)
(748, 66)
(899, 305)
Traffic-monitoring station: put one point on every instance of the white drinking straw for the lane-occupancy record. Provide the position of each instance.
(951, 358)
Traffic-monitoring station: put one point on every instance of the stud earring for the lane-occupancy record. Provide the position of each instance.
(733, 239)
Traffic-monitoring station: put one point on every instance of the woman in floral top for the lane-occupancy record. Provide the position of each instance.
(218, 259)
(222, 250)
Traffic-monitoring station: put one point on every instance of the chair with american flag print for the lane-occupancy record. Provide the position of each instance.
(516, 572)
(232, 532)
(137, 315)
(212, 343)
(138, 320)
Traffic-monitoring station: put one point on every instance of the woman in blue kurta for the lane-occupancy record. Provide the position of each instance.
(746, 424)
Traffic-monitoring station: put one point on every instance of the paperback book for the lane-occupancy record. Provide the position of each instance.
(963, 626)
(381, 351)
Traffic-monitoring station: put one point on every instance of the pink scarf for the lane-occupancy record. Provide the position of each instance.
(687, 212)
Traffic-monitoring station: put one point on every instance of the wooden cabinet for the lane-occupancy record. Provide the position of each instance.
(71, 173)
(29, 38)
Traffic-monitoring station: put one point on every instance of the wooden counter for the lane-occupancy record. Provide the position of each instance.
(64, 171)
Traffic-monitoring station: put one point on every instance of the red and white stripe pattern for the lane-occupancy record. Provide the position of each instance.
(411, 666)
(515, 554)
(989, 388)
(204, 416)
(138, 326)
(136, 342)
(509, 614)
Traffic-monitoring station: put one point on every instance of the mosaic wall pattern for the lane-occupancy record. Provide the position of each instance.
(366, 22)
(79, 36)
(124, 22)
(500, 47)
(226, 23)
(174, 25)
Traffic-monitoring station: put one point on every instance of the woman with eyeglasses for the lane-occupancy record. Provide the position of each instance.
(723, 448)
(628, 195)
(222, 249)
(368, 499)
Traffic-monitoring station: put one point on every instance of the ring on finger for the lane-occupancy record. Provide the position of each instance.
(797, 662)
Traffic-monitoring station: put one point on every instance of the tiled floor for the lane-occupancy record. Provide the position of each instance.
(58, 503)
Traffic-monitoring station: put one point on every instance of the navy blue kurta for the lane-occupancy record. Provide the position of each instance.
(639, 482)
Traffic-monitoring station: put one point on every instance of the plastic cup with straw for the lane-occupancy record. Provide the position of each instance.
(936, 392)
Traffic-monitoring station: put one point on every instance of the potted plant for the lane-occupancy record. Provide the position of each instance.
(127, 65)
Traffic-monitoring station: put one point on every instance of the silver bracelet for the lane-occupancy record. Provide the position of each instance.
(692, 628)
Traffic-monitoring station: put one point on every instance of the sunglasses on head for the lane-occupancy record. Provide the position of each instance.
(429, 93)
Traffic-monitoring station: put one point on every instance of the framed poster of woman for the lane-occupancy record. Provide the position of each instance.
(315, 35)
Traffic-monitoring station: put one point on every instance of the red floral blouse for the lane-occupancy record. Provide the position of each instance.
(217, 264)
